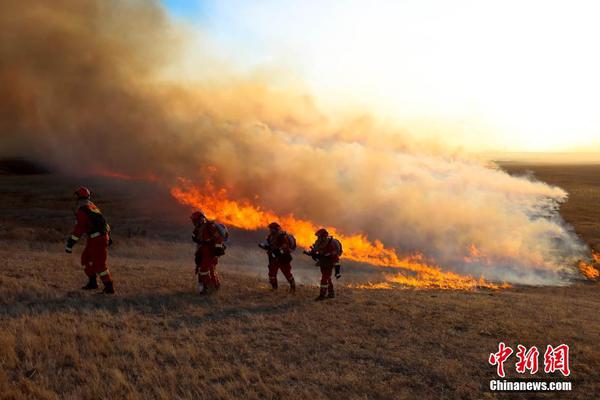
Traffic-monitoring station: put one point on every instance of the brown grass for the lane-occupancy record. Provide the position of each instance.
(158, 339)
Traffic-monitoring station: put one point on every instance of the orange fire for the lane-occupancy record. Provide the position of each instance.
(591, 270)
(419, 273)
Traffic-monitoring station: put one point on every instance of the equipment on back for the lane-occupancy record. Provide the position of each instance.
(98, 225)
(291, 241)
(338, 246)
(223, 231)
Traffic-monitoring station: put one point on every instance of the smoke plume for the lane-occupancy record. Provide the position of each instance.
(86, 87)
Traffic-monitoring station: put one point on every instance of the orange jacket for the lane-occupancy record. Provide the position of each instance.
(85, 223)
(207, 234)
(326, 248)
(89, 221)
(280, 242)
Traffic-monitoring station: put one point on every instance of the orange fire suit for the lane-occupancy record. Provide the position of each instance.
(328, 259)
(207, 237)
(95, 253)
(280, 258)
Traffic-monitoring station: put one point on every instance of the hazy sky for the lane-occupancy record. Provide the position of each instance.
(505, 75)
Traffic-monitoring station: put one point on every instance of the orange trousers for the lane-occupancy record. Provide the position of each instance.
(206, 265)
(94, 256)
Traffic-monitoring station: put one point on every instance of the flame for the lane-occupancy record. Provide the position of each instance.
(214, 202)
(591, 270)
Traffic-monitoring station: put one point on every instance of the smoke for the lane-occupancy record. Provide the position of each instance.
(88, 86)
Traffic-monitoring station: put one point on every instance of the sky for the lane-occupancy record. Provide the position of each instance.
(493, 75)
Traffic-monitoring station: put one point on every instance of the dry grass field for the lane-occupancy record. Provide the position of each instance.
(157, 339)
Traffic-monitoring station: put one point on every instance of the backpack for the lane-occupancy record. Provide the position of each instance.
(97, 220)
(291, 240)
(223, 231)
(338, 246)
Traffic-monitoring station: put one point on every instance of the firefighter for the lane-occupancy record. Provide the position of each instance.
(91, 222)
(326, 251)
(279, 246)
(210, 246)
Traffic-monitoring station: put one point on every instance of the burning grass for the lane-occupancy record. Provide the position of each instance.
(419, 272)
(591, 270)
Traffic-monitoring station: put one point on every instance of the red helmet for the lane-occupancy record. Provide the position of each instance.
(83, 192)
(275, 226)
(197, 216)
(322, 233)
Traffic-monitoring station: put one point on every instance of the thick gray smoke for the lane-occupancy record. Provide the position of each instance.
(84, 89)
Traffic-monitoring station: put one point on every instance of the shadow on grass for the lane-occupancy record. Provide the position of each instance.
(174, 306)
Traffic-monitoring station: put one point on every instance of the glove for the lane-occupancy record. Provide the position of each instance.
(195, 239)
(338, 273)
(70, 243)
(277, 253)
(219, 250)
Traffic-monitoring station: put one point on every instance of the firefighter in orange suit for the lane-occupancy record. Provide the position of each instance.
(91, 222)
(326, 251)
(279, 246)
(210, 246)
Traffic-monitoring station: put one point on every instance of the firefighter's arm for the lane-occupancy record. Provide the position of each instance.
(313, 254)
(78, 231)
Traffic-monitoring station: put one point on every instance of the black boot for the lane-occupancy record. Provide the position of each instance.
(322, 294)
(92, 284)
(108, 288)
(330, 292)
(273, 282)
(292, 286)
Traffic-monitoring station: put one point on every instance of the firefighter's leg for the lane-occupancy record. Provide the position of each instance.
(87, 263)
(286, 269)
(330, 292)
(273, 268)
(325, 279)
(100, 256)
(205, 267)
